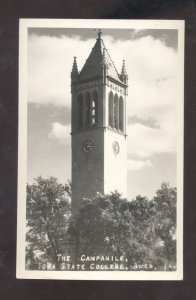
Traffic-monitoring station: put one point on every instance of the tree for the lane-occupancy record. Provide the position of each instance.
(142, 230)
(48, 218)
(165, 223)
(110, 225)
(143, 218)
(102, 225)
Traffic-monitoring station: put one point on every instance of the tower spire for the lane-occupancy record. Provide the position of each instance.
(74, 72)
(99, 34)
(123, 75)
(124, 71)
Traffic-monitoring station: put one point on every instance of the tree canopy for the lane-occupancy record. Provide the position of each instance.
(48, 218)
(142, 230)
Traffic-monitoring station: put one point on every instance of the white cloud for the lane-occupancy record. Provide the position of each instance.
(151, 67)
(50, 62)
(60, 132)
(153, 83)
(135, 165)
(145, 141)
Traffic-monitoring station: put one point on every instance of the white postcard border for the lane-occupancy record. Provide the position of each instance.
(22, 150)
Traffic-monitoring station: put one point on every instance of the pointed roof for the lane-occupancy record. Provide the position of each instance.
(124, 70)
(94, 63)
(74, 71)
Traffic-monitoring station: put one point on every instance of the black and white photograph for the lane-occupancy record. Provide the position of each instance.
(100, 157)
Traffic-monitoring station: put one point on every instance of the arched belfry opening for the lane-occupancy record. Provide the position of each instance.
(111, 110)
(116, 112)
(88, 110)
(121, 114)
(80, 105)
(94, 102)
(91, 109)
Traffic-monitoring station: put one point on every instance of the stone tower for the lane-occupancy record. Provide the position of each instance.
(98, 127)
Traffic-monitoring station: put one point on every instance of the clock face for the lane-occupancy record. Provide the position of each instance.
(116, 147)
(87, 146)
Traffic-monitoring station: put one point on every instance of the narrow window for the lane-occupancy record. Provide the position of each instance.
(94, 104)
(88, 110)
(116, 112)
(121, 113)
(111, 110)
(80, 111)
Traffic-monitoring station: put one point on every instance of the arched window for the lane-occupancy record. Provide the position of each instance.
(121, 113)
(91, 109)
(88, 110)
(116, 112)
(94, 104)
(80, 111)
(111, 110)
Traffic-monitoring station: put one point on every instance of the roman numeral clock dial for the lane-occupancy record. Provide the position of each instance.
(116, 147)
(87, 146)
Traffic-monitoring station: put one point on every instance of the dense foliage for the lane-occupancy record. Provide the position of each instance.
(48, 219)
(142, 230)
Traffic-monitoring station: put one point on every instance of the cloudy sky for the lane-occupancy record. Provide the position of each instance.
(152, 63)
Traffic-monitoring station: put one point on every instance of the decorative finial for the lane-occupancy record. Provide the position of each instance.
(74, 72)
(75, 63)
(99, 33)
(124, 71)
(123, 75)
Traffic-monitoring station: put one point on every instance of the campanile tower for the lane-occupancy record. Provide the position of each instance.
(98, 126)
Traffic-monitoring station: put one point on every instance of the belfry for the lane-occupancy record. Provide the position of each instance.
(98, 126)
